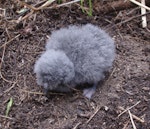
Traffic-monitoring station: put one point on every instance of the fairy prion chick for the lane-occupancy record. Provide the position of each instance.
(74, 56)
(53, 70)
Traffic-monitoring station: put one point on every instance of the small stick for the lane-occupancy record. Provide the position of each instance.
(26, 16)
(137, 118)
(33, 9)
(40, 93)
(131, 118)
(139, 4)
(64, 4)
(130, 19)
(2, 59)
(31, 92)
(10, 88)
(9, 41)
(4, 12)
(129, 108)
(6, 91)
(71, 2)
(125, 125)
(27, 5)
(45, 4)
(143, 11)
(134, 116)
(93, 115)
(7, 117)
(133, 18)
(76, 126)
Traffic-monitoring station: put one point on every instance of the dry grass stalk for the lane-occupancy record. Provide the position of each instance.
(68, 3)
(140, 4)
(2, 60)
(137, 118)
(6, 91)
(134, 116)
(9, 41)
(43, 6)
(143, 11)
(76, 126)
(131, 118)
(125, 125)
(31, 92)
(98, 108)
(4, 12)
(2, 116)
(129, 108)
(40, 93)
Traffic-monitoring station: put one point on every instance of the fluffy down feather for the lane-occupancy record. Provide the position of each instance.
(73, 56)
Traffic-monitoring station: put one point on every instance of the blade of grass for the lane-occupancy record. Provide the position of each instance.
(89, 11)
(81, 3)
(9, 105)
(59, 1)
(90, 8)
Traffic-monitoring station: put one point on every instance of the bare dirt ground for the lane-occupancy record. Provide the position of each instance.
(126, 87)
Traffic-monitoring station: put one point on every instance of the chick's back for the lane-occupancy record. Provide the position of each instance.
(90, 49)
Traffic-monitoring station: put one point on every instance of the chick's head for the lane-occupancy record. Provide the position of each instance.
(54, 70)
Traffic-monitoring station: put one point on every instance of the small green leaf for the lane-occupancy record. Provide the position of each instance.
(22, 11)
(9, 105)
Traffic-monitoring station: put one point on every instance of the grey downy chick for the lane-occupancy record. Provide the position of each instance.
(74, 56)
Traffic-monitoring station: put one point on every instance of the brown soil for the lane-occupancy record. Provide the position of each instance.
(128, 83)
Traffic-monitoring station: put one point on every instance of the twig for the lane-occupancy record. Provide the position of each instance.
(31, 92)
(4, 12)
(112, 72)
(64, 4)
(45, 4)
(129, 108)
(26, 16)
(9, 41)
(93, 115)
(33, 9)
(76, 126)
(134, 116)
(6, 29)
(2, 60)
(4, 78)
(137, 118)
(131, 118)
(133, 18)
(27, 5)
(125, 125)
(143, 11)
(7, 117)
(130, 19)
(6, 91)
(40, 93)
(139, 4)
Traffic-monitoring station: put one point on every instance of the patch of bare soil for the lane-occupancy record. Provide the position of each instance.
(126, 87)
